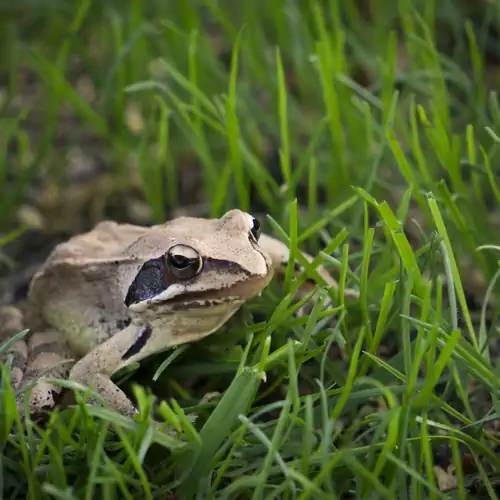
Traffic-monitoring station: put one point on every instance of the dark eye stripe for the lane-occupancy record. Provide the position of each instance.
(149, 282)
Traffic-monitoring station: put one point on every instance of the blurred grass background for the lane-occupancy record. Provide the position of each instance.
(370, 126)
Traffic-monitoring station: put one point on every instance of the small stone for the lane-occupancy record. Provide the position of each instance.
(139, 211)
(133, 118)
(30, 217)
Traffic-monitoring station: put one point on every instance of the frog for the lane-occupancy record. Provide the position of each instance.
(120, 293)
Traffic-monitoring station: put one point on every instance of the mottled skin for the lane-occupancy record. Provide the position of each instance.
(120, 293)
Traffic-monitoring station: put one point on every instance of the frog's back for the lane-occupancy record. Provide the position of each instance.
(106, 241)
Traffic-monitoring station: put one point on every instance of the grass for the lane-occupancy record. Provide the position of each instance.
(373, 144)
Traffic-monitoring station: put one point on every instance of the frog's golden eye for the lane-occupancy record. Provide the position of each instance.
(255, 231)
(183, 262)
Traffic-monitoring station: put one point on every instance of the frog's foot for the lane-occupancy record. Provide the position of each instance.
(48, 359)
(11, 323)
(101, 384)
(210, 397)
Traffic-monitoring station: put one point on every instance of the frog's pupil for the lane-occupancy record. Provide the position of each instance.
(181, 262)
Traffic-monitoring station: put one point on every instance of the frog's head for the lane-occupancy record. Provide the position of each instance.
(196, 273)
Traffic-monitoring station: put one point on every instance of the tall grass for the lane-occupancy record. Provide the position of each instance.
(370, 139)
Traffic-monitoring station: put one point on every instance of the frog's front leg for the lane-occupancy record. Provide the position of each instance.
(95, 369)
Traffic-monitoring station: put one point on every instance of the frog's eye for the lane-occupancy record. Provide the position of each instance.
(183, 262)
(255, 231)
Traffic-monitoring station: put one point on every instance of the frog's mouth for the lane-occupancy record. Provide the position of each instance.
(176, 297)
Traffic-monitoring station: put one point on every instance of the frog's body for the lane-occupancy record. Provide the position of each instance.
(119, 293)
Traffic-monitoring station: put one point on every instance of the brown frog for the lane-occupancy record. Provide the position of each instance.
(120, 293)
